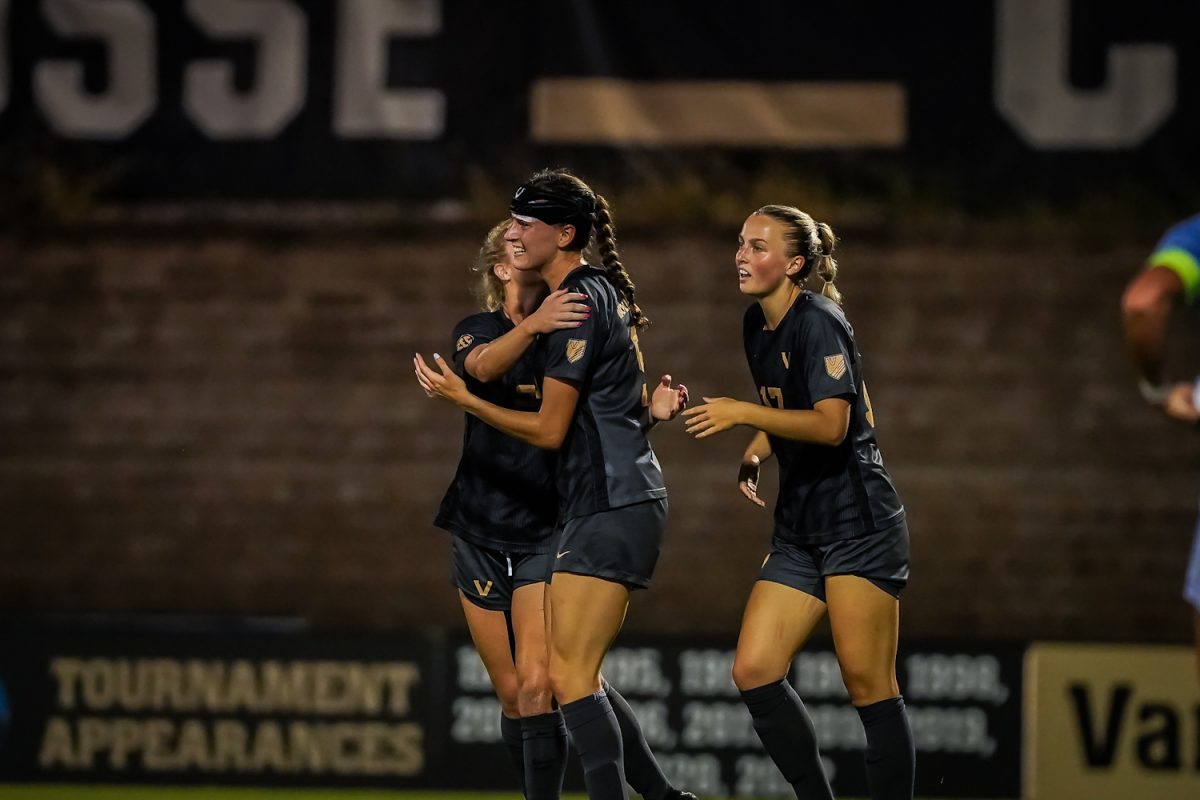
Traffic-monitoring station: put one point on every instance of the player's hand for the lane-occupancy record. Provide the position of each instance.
(667, 401)
(748, 480)
(716, 415)
(561, 309)
(1180, 403)
(441, 382)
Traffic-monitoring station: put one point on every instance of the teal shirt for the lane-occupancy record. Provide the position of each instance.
(1179, 251)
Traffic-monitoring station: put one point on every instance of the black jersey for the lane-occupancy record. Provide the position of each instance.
(605, 461)
(825, 493)
(502, 496)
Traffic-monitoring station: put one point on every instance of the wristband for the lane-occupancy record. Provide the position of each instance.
(1153, 393)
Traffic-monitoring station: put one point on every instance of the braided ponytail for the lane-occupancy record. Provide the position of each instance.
(825, 266)
(618, 276)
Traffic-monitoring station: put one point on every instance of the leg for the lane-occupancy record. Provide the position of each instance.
(542, 730)
(777, 621)
(587, 612)
(489, 631)
(532, 658)
(642, 771)
(865, 622)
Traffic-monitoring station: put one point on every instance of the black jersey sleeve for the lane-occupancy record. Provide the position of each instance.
(829, 365)
(570, 352)
(475, 330)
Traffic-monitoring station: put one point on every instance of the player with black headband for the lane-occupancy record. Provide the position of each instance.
(595, 412)
(500, 508)
(840, 543)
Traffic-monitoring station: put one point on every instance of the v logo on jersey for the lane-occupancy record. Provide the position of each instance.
(787, 360)
(563, 553)
(482, 589)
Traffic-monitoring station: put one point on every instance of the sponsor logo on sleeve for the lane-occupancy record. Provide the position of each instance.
(575, 348)
(463, 342)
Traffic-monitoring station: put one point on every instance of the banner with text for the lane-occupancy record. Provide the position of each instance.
(210, 99)
(1111, 722)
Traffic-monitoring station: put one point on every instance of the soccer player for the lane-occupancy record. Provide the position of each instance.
(595, 412)
(840, 542)
(500, 509)
(1170, 280)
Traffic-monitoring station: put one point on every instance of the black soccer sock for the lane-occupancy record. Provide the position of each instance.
(597, 738)
(510, 732)
(641, 767)
(787, 734)
(545, 738)
(891, 756)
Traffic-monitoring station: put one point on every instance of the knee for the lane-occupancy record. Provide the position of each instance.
(533, 689)
(750, 673)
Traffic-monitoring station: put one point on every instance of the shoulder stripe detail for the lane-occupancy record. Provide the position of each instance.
(1183, 264)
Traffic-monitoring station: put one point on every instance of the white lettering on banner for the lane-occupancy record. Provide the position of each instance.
(304, 687)
(951, 730)
(1033, 94)
(3, 54)
(279, 32)
(757, 776)
(472, 674)
(654, 716)
(818, 675)
(476, 719)
(364, 105)
(162, 745)
(701, 773)
(707, 673)
(958, 677)
(128, 32)
(717, 725)
(636, 670)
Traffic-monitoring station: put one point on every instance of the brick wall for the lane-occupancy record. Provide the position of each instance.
(230, 425)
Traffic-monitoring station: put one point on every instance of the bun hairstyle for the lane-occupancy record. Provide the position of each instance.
(814, 240)
(488, 289)
(557, 197)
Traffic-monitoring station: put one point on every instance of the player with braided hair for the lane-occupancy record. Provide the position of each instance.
(596, 412)
(840, 543)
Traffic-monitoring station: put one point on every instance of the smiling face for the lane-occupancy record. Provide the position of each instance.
(534, 243)
(762, 260)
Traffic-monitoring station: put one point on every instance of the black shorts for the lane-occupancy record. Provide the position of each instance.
(619, 545)
(489, 577)
(881, 558)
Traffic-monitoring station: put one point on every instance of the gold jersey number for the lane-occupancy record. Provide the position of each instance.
(641, 365)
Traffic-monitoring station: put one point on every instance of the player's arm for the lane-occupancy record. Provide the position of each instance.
(1146, 308)
(826, 424)
(545, 428)
(560, 310)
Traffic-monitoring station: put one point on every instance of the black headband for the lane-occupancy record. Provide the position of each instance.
(551, 207)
